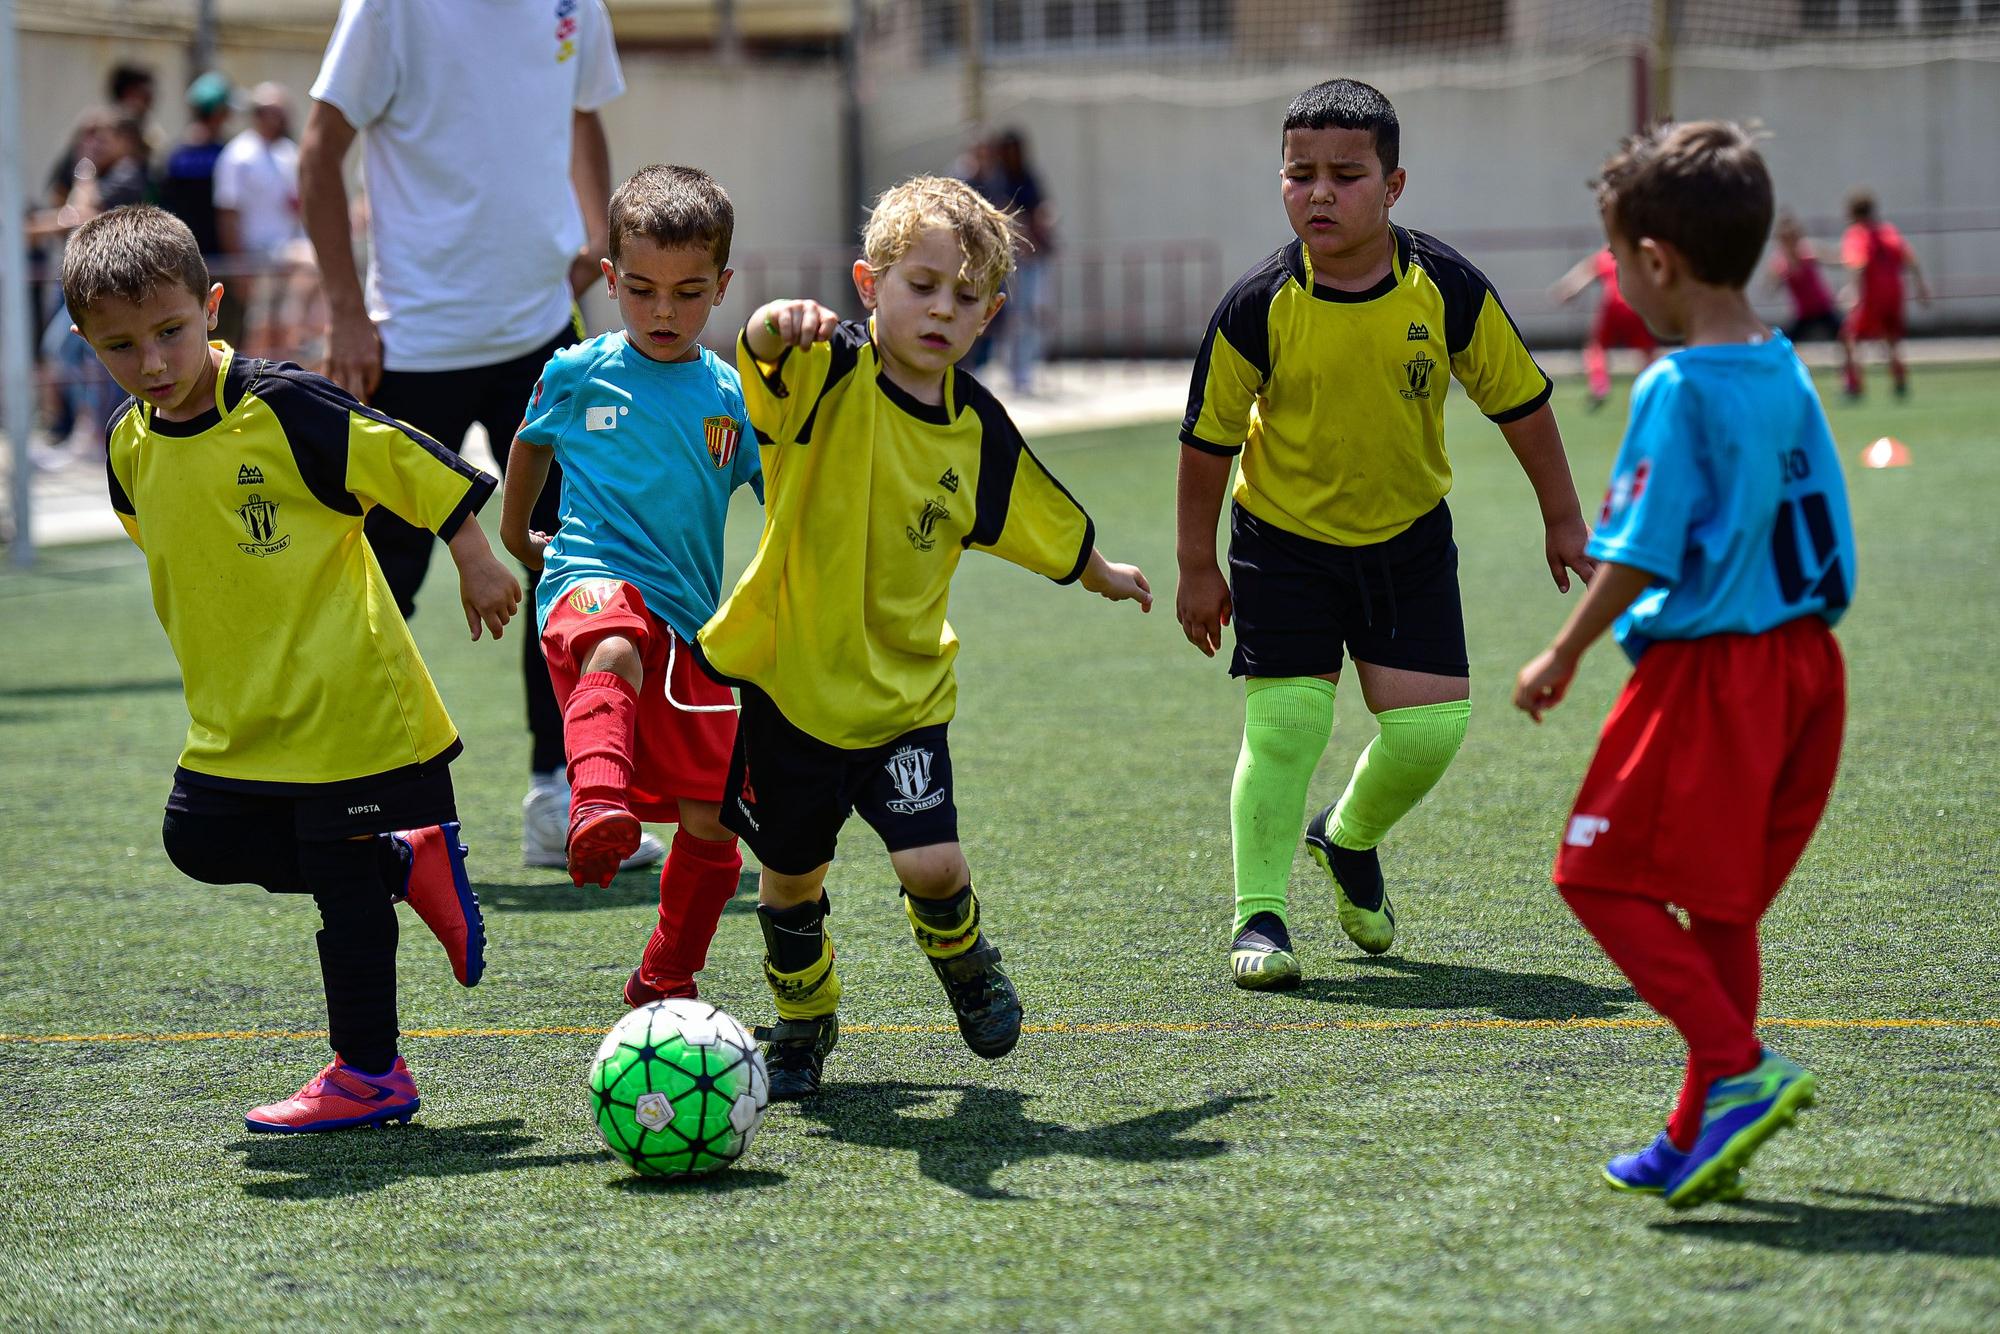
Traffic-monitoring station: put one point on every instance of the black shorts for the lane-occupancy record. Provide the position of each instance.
(1392, 604)
(789, 793)
(409, 798)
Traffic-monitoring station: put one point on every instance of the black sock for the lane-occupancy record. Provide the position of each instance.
(1360, 874)
(357, 949)
(795, 937)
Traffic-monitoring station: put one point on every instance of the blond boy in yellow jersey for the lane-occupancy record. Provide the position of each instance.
(1326, 368)
(882, 465)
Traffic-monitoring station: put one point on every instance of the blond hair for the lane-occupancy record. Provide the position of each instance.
(901, 215)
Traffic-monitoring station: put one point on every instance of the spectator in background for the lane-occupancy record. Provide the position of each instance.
(489, 185)
(187, 186)
(131, 90)
(1795, 267)
(257, 217)
(1011, 185)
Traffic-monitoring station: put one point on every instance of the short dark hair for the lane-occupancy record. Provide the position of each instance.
(128, 253)
(1861, 204)
(1701, 187)
(673, 206)
(1349, 104)
(125, 76)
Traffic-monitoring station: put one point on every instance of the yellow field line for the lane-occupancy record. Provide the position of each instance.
(1086, 1029)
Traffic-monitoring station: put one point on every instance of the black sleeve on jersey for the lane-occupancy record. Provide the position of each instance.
(849, 337)
(1244, 320)
(1001, 446)
(314, 411)
(120, 502)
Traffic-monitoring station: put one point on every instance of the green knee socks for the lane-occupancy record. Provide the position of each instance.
(1286, 723)
(1402, 764)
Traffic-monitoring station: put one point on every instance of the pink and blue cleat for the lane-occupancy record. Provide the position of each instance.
(435, 885)
(340, 1098)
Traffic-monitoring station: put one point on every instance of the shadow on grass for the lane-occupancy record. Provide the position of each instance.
(77, 689)
(1408, 984)
(330, 1166)
(632, 889)
(989, 1129)
(725, 1182)
(1874, 1225)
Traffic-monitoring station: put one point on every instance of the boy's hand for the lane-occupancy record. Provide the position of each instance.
(489, 595)
(533, 550)
(1119, 583)
(794, 323)
(1566, 544)
(1203, 607)
(1543, 682)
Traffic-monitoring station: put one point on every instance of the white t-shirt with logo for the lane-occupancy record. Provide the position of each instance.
(466, 107)
(259, 179)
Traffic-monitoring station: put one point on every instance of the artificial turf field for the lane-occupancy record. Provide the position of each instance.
(1412, 1139)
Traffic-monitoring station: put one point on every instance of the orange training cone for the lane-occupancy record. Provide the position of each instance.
(1888, 452)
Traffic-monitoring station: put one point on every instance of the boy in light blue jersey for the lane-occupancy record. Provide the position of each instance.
(1725, 554)
(648, 427)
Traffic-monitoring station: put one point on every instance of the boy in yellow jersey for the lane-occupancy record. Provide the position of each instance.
(882, 464)
(315, 731)
(1326, 369)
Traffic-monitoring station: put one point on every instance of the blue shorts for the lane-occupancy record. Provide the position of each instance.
(1298, 601)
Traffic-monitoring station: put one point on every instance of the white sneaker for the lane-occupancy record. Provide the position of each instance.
(545, 832)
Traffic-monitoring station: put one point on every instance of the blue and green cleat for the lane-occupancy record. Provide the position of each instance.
(1741, 1113)
(1261, 958)
(1648, 1171)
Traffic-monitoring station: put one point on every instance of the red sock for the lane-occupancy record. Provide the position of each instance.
(1850, 369)
(1671, 971)
(1597, 365)
(700, 877)
(597, 738)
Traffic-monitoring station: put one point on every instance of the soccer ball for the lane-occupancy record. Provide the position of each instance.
(679, 1089)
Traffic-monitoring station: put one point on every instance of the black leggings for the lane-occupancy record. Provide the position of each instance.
(350, 880)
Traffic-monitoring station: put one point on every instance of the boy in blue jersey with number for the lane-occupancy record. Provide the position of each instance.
(648, 427)
(1725, 552)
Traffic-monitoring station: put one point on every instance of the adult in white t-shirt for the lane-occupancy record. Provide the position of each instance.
(488, 181)
(257, 181)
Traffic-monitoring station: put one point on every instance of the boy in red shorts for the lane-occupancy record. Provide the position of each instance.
(1725, 553)
(1877, 255)
(1616, 324)
(648, 427)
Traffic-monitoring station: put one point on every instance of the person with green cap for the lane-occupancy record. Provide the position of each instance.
(187, 187)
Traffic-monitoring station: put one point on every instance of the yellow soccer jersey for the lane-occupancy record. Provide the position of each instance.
(298, 669)
(1336, 399)
(870, 499)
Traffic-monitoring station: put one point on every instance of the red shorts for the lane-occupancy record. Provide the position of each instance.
(1712, 771)
(1618, 325)
(1875, 320)
(676, 753)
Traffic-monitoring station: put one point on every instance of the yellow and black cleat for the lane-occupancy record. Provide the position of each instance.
(1366, 914)
(1261, 957)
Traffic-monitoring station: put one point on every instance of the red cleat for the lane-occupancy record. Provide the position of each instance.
(601, 836)
(340, 1098)
(639, 992)
(434, 884)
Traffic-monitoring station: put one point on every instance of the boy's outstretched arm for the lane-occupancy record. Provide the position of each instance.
(777, 325)
(1119, 583)
(527, 472)
(1542, 684)
(1537, 443)
(488, 593)
(1201, 602)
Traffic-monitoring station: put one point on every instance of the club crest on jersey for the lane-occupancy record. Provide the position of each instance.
(921, 533)
(910, 773)
(1417, 376)
(260, 521)
(724, 434)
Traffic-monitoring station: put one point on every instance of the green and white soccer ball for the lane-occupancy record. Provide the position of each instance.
(679, 1089)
